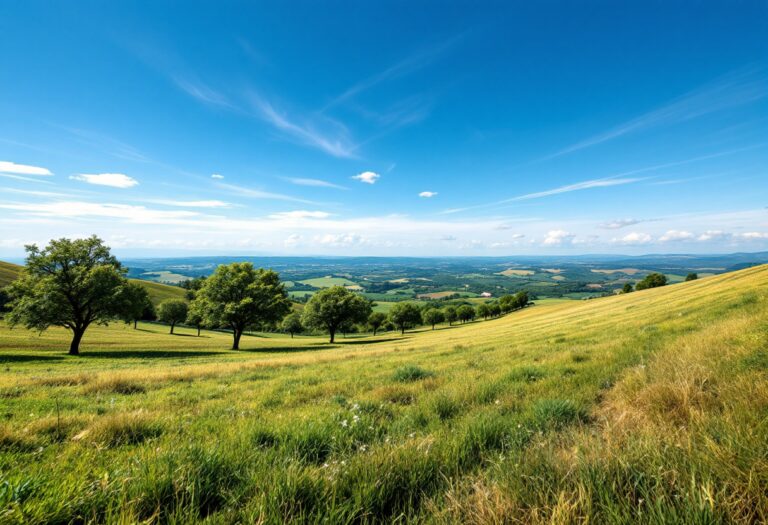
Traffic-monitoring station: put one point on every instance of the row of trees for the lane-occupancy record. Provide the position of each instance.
(77, 283)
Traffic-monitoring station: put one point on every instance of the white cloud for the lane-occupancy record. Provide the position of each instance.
(367, 177)
(217, 176)
(259, 194)
(193, 204)
(22, 169)
(558, 238)
(619, 223)
(77, 209)
(633, 239)
(754, 236)
(676, 235)
(427, 194)
(292, 240)
(114, 180)
(317, 183)
(714, 235)
(300, 214)
(343, 240)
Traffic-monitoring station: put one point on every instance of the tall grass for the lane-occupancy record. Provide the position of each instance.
(653, 408)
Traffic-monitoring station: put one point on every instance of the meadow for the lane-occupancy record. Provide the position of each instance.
(648, 407)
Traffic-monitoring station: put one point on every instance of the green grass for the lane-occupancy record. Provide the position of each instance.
(646, 407)
(8, 273)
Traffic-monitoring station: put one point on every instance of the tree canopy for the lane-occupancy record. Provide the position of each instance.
(376, 320)
(652, 280)
(238, 296)
(292, 324)
(334, 307)
(433, 316)
(172, 311)
(72, 284)
(405, 315)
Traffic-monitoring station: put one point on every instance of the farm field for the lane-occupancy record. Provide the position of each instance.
(650, 406)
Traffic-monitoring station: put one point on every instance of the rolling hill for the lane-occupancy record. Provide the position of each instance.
(157, 292)
(650, 406)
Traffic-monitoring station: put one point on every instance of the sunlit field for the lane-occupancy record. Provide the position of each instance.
(650, 406)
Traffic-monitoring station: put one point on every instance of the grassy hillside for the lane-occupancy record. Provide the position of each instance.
(8, 272)
(157, 292)
(650, 407)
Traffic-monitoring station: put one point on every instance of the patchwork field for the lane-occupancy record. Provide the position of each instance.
(650, 406)
(511, 272)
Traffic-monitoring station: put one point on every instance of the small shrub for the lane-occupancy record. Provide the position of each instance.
(410, 373)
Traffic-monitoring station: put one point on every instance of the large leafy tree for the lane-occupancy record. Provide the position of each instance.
(335, 307)
(238, 296)
(405, 315)
(376, 320)
(292, 324)
(72, 284)
(433, 316)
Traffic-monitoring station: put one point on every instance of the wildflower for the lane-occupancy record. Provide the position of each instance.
(344, 423)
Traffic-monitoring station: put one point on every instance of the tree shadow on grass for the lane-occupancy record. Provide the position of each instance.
(288, 349)
(147, 354)
(373, 341)
(28, 358)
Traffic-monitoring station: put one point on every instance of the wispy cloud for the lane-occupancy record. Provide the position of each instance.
(259, 194)
(412, 63)
(300, 214)
(427, 194)
(113, 180)
(217, 176)
(75, 209)
(35, 193)
(193, 204)
(200, 91)
(316, 183)
(579, 186)
(336, 144)
(619, 223)
(22, 169)
(733, 89)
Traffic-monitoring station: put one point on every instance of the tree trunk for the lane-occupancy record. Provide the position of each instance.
(198, 330)
(77, 336)
(172, 325)
(135, 322)
(374, 332)
(433, 327)
(332, 332)
(402, 330)
(236, 343)
(291, 335)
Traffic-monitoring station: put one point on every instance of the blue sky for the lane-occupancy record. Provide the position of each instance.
(398, 128)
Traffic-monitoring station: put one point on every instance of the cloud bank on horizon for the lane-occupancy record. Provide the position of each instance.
(460, 141)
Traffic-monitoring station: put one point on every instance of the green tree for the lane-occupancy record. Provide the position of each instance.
(691, 277)
(483, 310)
(627, 288)
(495, 309)
(465, 313)
(292, 324)
(433, 316)
(69, 283)
(137, 303)
(450, 315)
(376, 320)
(238, 296)
(652, 280)
(195, 317)
(4, 300)
(405, 315)
(172, 311)
(334, 307)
